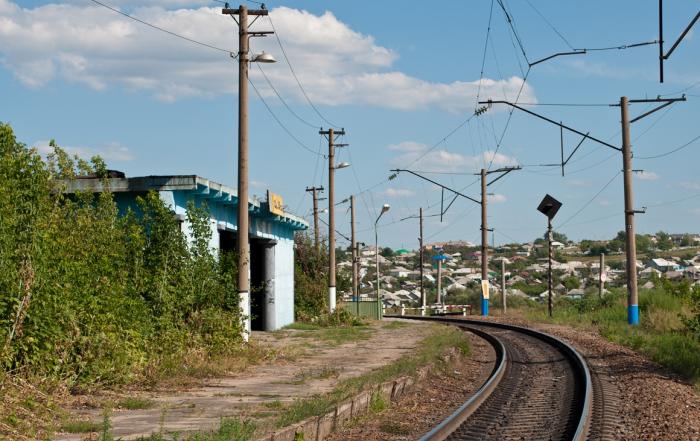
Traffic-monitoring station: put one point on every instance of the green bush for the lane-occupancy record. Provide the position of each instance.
(90, 296)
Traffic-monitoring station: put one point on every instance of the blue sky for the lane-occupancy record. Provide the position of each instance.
(398, 76)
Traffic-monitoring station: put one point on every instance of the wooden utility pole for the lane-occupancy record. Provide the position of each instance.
(484, 247)
(355, 285)
(423, 298)
(314, 192)
(632, 302)
(243, 245)
(503, 283)
(331, 213)
(601, 282)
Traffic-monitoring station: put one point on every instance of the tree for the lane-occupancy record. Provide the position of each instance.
(386, 252)
(663, 241)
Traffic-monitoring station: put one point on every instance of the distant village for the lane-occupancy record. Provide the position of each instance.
(576, 268)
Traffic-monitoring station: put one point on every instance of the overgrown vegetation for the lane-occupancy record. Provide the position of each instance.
(669, 317)
(90, 296)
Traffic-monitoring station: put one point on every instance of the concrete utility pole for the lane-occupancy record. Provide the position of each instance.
(503, 284)
(331, 213)
(420, 245)
(355, 285)
(243, 245)
(632, 302)
(601, 282)
(314, 192)
(484, 246)
(549, 275)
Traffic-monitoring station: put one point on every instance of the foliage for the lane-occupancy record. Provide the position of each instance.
(386, 252)
(310, 277)
(91, 296)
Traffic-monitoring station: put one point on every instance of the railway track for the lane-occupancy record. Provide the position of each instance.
(540, 389)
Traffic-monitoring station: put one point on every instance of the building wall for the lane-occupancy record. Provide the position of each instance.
(224, 217)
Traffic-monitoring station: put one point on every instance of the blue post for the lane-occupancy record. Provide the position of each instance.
(484, 307)
(633, 314)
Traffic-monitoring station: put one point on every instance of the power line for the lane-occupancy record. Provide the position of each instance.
(556, 31)
(230, 52)
(296, 78)
(291, 135)
(620, 47)
(283, 101)
(661, 155)
(589, 202)
(511, 24)
(483, 57)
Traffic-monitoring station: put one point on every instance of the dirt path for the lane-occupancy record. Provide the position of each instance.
(433, 399)
(325, 362)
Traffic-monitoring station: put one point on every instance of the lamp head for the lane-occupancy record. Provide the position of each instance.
(342, 165)
(385, 208)
(264, 57)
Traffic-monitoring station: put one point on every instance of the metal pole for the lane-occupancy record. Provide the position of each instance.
(601, 283)
(632, 303)
(484, 246)
(376, 261)
(355, 290)
(503, 284)
(243, 221)
(438, 300)
(331, 224)
(661, 42)
(549, 275)
(424, 300)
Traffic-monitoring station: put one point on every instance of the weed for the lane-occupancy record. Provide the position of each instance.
(81, 426)
(277, 404)
(135, 403)
(394, 428)
(378, 403)
(394, 325)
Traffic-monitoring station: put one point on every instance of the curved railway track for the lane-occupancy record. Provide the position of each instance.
(540, 389)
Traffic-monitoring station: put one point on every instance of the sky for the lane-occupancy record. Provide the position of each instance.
(401, 77)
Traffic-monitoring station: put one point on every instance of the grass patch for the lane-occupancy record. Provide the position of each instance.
(394, 428)
(378, 403)
(313, 374)
(303, 326)
(135, 403)
(431, 349)
(230, 430)
(81, 426)
(394, 325)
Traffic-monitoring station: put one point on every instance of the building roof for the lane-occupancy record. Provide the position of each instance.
(191, 183)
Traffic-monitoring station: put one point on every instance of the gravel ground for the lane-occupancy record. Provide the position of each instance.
(654, 404)
(651, 403)
(432, 400)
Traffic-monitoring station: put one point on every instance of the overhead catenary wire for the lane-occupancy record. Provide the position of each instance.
(551, 26)
(158, 28)
(670, 152)
(589, 201)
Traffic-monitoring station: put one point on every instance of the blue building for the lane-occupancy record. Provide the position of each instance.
(271, 234)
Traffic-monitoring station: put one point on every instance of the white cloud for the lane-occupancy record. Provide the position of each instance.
(690, 185)
(84, 43)
(112, 151)
(695, 211)
(258, 184)
(397, 192)
(496, 198)
(416, 155)
(647, 176)
(605, 203)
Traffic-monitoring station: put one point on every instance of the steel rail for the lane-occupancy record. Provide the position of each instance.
(583, 376)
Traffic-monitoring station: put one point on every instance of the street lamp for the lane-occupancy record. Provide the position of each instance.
(264, 57)
(385, 208)
(342, 165)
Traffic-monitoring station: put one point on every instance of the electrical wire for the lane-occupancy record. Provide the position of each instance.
(158, 28)
(661, 155)
(589, 201)
(294, 74)
(483, 57)
(511, 24)
(296, 115)
(274, 116)
(556, 31)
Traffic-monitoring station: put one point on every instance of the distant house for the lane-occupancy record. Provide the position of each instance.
(664, 265)
(399, 272)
